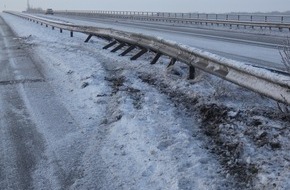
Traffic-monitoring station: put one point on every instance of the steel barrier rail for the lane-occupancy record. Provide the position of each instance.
(229, 20)
(262, 81)
(235, 17)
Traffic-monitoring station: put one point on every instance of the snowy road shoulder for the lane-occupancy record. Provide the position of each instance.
(146, 127)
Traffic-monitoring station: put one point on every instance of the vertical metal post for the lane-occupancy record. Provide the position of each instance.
(71, 34)
(191, 72)
(282, 19)
(266, 18)
(157, 56)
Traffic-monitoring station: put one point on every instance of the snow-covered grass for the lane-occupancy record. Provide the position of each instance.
(147, 127)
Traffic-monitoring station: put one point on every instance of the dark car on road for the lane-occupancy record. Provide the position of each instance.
(49, 12)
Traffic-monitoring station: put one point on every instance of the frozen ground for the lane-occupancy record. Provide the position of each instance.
(147, 127)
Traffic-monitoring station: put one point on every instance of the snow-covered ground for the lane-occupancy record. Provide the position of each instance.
(148, 127)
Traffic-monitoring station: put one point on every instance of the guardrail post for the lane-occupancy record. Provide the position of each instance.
(128, 50)
(139, 54)
(60, 30)
(227, 17)
(172, 62)
(88, 38)
(282, 19)
(157, 56)
(191, 74)
(71, 34)
(118, 47)
(266, 18)
(251, 18)
(110, 45)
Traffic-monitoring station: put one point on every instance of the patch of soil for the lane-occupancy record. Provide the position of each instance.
(115, 83)
(137, 96)
(212, 115)
(179, 98)
(229, 152)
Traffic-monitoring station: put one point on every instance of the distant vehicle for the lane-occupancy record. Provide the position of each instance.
(49, 12)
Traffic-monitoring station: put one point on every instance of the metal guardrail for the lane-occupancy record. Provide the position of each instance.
(232, 17)
(245, 20)
(272, 85)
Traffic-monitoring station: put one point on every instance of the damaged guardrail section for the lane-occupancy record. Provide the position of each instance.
(262, 81)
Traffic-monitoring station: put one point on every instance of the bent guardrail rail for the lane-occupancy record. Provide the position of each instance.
(262, 21)
(262, 81)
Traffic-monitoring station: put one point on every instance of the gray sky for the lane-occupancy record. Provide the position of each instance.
(208, 6)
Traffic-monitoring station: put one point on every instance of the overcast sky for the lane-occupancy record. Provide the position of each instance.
(208, 6)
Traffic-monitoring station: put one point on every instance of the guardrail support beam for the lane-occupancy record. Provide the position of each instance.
(118, 47)
(110, 44)
(128, 50)
(105, 38)
(139, 54)
(172, 62)
(191, 74)
(157, 56)
(88, 38)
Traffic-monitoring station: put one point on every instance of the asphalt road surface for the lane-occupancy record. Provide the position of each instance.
(30, 118)
(256, 48)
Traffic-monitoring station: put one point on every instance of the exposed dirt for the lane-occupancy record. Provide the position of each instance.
(229, 152)
(228, 129)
